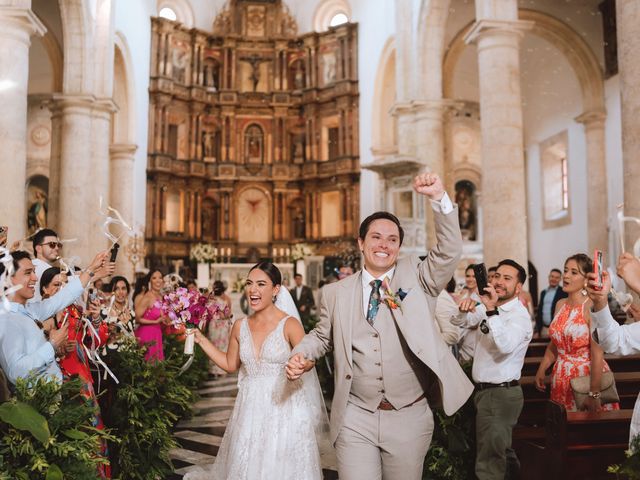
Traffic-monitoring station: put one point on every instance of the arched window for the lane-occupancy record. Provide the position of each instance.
(177, 11)
(331, 13)
(338, 19)
(168, 13)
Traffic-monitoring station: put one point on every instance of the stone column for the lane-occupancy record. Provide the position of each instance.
(597, 200)
(122, 159)
(18, 25)
(82, 158)
(628, 22)
(503, 180)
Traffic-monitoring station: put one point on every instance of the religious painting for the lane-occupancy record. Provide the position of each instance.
(467, 209)
(328, 68)
(37, 203)
(253, 216)
(297, 75)
(209, 219)
(298, 219)
(255, 21)
(253, 145)
(179, 62)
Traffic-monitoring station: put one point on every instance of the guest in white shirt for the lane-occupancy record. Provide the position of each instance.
(46, 249)
(505, 332)
(615, 338)
(23, 346)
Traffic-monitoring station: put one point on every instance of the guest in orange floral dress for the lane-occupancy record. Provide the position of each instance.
(571, 346)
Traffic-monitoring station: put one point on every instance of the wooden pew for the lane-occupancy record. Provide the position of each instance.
(535, 402)
(581, 445)
(537, 348)
(617, 363)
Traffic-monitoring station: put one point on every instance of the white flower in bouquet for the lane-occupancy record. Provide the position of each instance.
(300, 251)
(203, 253)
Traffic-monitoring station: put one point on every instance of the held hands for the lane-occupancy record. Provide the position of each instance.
(429, 184)
(297, 366)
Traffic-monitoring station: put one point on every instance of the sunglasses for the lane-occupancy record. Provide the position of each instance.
(53, 244)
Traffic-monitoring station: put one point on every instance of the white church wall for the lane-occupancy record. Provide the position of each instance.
(132, 19)
(613, 148)
(551, 100)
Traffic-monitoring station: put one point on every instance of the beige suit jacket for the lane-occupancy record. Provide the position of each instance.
(342, 304)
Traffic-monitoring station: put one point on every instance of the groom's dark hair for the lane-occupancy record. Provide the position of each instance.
(366, 223)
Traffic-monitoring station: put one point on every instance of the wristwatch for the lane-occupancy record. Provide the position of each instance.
(594, 394)
(491, 313)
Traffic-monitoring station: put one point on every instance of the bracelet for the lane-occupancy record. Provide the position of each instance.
(594, 394)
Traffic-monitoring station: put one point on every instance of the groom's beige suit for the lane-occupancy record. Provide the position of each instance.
(398, 361)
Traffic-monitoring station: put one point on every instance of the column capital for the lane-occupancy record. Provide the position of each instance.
(122, 151)
(86, 103)
(592, 118)
(23, 18)
(489, 27)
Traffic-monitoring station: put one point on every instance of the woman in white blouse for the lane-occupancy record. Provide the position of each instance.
(613, 337)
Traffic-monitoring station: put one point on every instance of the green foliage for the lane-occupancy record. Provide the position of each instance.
(630, 468)
(451, 455)
(46, 430)
(149, 400)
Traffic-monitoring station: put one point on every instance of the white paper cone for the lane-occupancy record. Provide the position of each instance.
(189, 341)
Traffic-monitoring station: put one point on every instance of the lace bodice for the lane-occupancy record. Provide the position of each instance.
(273, 354)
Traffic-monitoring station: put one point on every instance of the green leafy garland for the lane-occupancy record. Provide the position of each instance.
(630, 468)
(47, 430)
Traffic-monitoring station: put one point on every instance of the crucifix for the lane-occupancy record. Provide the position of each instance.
(255, 61)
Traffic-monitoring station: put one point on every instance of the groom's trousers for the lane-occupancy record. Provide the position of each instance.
(385, 444)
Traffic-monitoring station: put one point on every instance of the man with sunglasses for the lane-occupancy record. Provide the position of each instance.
(46, 249)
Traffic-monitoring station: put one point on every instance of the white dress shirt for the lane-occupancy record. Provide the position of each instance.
(499, 354)
(298, 292)
(619, 340)
(547, 314)
(23, 347)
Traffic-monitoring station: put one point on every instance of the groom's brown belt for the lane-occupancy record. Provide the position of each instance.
(385, 405)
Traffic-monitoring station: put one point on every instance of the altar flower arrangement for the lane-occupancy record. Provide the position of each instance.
(203, 253)
(187, 309)
(300, 251)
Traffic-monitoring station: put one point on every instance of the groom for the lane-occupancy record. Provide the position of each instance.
(391, 365)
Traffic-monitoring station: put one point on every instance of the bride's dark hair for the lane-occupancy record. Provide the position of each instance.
(271, 270)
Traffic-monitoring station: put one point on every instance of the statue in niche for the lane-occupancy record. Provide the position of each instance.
(211, 75)
(297, 148)
(298, 76)
(37, 211)
(208, 145)
(465, 198)
(208, 219)
(329, 70)
(253, 145)
(179, 59)
(299, 223)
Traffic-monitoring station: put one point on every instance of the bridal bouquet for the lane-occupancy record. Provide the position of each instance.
(189, 309)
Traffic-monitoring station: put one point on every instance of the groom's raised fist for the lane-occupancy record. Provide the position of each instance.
(429, 184)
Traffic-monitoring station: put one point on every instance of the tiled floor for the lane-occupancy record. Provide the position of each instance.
(200, 436)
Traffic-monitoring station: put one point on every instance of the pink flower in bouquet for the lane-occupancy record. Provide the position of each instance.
(184, 307)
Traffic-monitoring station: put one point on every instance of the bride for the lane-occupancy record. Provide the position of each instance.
(277, 426)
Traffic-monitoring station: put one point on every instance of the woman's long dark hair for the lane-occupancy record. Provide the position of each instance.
(271, 270)
(47, 277)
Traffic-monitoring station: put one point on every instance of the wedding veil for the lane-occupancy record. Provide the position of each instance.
(311, 388)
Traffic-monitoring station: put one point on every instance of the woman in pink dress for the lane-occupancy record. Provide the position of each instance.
(571, 346)
(149, 317)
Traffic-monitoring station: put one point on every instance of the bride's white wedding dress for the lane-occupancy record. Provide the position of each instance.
(271, 433)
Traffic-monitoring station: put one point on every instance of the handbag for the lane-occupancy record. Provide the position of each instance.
(582, 385)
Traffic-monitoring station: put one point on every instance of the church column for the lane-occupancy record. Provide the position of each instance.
(122, 159)
(83, 145)
(18, 25)
(628, 24)
(597, 200)
(498, 33)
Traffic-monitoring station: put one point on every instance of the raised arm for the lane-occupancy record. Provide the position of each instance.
(229, 361)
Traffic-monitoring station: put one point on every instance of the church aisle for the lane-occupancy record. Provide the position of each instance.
(199, 437)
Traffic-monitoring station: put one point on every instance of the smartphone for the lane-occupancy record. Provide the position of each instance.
(114, 252)
(482, 277)
(92, 296)
(597, 268)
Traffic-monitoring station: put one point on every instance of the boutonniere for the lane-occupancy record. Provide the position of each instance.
(392, 299)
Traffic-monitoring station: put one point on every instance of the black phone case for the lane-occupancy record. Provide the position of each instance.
(482, 278)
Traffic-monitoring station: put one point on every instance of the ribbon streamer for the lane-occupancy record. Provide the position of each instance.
(109, 220)
(186, 366)
(621, 221)
(6, 285)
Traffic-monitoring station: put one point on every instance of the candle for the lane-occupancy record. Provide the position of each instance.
(228, 251)
(288, 252)
(281, 251)
(215, 251)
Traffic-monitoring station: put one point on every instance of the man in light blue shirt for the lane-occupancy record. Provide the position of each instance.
(23, 346)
